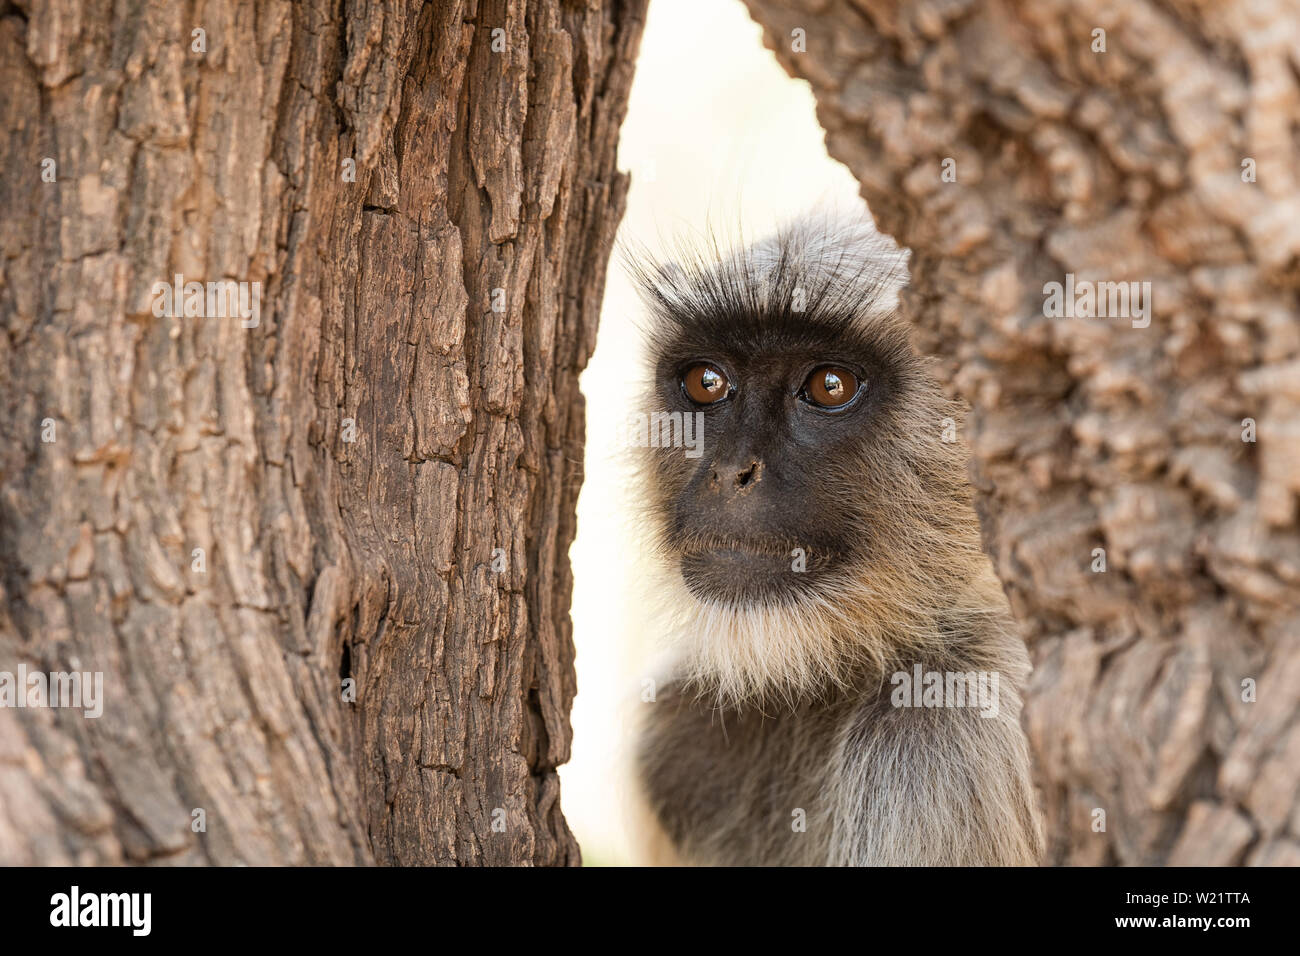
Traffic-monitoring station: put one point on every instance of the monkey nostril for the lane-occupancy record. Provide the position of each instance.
(742, 478)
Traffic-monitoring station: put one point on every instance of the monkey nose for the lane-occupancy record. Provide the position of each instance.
(736, 478)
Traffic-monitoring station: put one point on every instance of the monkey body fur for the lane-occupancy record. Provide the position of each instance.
(871, 783)
(825, 542)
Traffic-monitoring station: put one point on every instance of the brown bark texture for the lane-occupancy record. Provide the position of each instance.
(375, 482)
(1171, 156)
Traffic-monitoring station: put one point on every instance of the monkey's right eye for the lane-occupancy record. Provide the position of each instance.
(706, 384)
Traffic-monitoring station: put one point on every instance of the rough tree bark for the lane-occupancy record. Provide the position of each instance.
(1123, 165)
(381, 474)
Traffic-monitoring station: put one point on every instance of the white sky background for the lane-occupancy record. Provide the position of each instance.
(716, 133)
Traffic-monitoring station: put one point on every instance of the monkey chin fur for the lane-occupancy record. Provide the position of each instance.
(843, 634)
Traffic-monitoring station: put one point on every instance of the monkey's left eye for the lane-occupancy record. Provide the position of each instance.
(706, 384)
(830, 387)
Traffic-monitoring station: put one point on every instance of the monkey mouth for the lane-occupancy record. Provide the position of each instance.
(734, 546)
(750, 571)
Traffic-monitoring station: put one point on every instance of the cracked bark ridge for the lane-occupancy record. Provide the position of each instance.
(381, 475)
(1123, 165)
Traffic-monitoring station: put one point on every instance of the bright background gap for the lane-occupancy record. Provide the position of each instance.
(716, 133)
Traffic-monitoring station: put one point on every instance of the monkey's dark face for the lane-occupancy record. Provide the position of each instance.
(825, 482)
(823, 519)
(790, 409)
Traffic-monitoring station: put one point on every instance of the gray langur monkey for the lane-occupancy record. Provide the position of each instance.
(845, 675)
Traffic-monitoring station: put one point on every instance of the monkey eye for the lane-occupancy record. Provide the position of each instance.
(830, 387)
(706, 384)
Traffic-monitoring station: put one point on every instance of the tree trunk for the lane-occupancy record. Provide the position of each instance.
(1163, 151)
(367, 491)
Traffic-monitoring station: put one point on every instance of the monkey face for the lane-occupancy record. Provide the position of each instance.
(822, 468)
(821, 518)
(784, 412)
